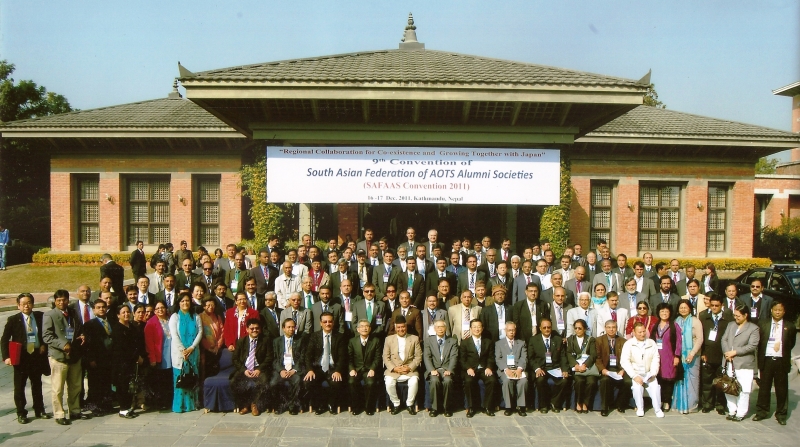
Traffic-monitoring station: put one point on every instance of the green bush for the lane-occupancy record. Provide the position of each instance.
(267, 218)
(781, 243)
(554, 224)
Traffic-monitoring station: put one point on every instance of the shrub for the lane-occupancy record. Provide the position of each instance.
(781, 243)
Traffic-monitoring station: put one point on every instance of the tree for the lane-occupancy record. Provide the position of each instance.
(651, 98)
(25, 172)
(766, 165)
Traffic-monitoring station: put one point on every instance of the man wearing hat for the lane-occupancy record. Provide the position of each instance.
(494, 316)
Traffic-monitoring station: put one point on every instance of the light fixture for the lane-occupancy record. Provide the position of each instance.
(181, 199)
(110, 198)
(782, 212)
(630, 205)
(700, 205)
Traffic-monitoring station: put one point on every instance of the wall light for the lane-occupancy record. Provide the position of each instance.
(630, 205)
(700, 206)
(181, 199)
(110, 198)
(782, 212)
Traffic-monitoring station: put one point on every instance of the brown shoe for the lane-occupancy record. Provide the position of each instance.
(244, 410)
(254, 410)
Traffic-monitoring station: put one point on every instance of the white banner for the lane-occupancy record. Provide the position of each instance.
(413, 175)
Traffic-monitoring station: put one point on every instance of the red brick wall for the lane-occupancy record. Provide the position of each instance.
(579, 212)
(695, 221)
(230, 208)
(61, 222)
(741, 219)
(348, 220)
(626, 236)
(181, 216)
(110, 212)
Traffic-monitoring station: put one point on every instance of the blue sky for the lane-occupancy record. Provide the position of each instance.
(712, 57)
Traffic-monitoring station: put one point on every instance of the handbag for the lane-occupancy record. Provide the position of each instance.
(187, 379)
(590, 371)
(728, 384)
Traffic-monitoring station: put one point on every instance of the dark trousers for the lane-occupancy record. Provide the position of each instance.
(607, 387)
(777, 372)
(585, 388)
(546, 397)
(441, 387)
(667, 389)
(122, 379)
(160, 383)
(711, 397)
(99, 395)
(250, 390)
(283, 400)
(331, 398)
(472, 392)
(23, 373)
(362, 397)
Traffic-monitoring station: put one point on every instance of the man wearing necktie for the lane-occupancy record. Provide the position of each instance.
(98, 361)
(665, 295)
(476, 355)
(25, 329)
(778, 337)
(157, 278)
(252, 361)
(511, 356)
(459, 316)
(714, 325)
(286, 368)
(325, 360)
(301, 316)
(325, 304)
(253, 300)
(371, 310)
(430, 314)
(548, 360)
(138, 261)
(264, 273)
(364, 356)
(440, 357)
(145, 297)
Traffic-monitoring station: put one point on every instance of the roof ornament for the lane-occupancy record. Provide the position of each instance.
(409, 40)
(174, 94)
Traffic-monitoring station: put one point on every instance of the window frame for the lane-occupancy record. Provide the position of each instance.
(198, 180)
(150, 224)
(725, 214)
(80, 223)
(659, 209)
(610, 207)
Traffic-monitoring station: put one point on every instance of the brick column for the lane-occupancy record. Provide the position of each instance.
(579, 211)
(741, 222)
(111, 214)
(61, 216)
(180, 219)
(230, 209)
(695, 228)
(625, 219)
(348, 220)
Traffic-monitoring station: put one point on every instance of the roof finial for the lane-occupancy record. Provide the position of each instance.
(409, 40)
(174, 94)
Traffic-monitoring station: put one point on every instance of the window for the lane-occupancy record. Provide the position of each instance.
(717, 217)
(89, 213)
(600, 221)
(208, 211)
(659, 217)
(148, 210)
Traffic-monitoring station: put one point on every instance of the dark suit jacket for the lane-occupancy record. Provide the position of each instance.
(357, 283)
(522, 316)
(574, 351)
(336, 282)
(788, 339)
(509, 285)
(432, 282)
(279, 348)
(713, 349)
(230, 275)
(117, 274)
(468, 356)
(162, 297)
(181, 280)
(264, 355)
(99, 347)
(366, 359)
(138, 264)
(262, 285)
(491, 325)
(764, 305)
(537, 352)
(590, 273)
(15, 331)
(338, 316)
(463, 280)
(547, 296)
(603, 351)
(657, 299)
(417, 289)
(312, 353)
(413, 321)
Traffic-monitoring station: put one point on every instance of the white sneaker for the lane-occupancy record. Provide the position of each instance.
(659, 414)
(639, 413)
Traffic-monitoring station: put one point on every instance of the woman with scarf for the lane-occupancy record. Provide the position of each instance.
(642, 316)
(600, 307)
(581, 356)
(128, 352)
(669, 343)
(186, 331)
(236, 319)
(158, 339)
(213, 341)
(687, 389)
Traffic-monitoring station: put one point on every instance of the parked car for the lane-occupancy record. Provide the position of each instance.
(781, 282)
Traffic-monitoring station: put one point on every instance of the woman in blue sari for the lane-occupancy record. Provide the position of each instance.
(686, 395)
(186, 330)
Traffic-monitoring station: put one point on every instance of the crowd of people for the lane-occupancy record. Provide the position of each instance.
(363, 318)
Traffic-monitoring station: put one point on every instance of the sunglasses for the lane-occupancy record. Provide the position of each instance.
(641, 307)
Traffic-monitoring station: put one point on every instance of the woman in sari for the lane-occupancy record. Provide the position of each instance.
(187, 331)
(212, 341)
(686, 395)
(642, 316)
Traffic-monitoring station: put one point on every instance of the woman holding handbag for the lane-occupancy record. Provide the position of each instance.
(581, 355)
(187, 331)
(687, 390)
(739, 345)
(128, 352)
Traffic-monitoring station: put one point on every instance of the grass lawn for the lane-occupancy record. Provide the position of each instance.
(49, 278)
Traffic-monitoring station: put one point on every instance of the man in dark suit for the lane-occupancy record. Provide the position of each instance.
(412, 281)
(326, 305)
(236, 277)
(609, 350)
(546, 354)
(423, 265)
(523, 279)
(386, 273)
(527, 321)
(143, 291)
(208, 276)
(678, 277)
(218, 292)
(758, 303)
(25, 328)
(579, 283)
(665, 295)
(113, 271)
(469, 277)
(440, 355)
(364, 354)
(98, 361)
(778, 337)
(476, 356)
(432, 280)
(287, 367)
(592, 266)
(252, 363)
(622, 267)
(325, 359)
(494, 316)
(138, 261)
(714, 325)
(557, 279)
(264, 274)
(186, 277)
(62, 331)
(410, 313)
(270, 315)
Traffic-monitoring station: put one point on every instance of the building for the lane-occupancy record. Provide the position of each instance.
(645, 179)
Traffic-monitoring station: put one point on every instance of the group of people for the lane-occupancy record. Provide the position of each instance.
(353, 317)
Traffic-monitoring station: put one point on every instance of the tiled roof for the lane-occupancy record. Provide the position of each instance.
(644, 120)
(155, 114)
(408, 67)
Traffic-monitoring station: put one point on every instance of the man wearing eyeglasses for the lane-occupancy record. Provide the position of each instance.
(371, 310)
(252, 362)
(758, 303)
(714, 325)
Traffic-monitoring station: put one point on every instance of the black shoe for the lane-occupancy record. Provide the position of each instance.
(489, 413)
(76, 416)
(470, 412)
(355, 412)
(721, 411)
(334, 410)
(63, 421)
(543, 410)
(706, 410)
(521, 412)
(43, 415)
(320, 411)
(730, 417)
(782, 421)
(412, 410)
(23, 419)
(737, 419)
(758, 417)
(128, 415)
(556, 410)
(395, 411)
(604, 413)
(508, 412)
(294, 412)
(621, 410)
(433, 413)
(449, 414)
(370, 413)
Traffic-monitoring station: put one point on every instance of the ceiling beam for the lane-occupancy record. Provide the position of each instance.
(365, 110)
(564, 113)
(515, 113)
(415, 116)
(465, 111)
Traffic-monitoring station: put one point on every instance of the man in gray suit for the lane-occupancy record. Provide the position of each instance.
(612, 281)
(301, 316)
(645, 285)
(441, 357)
(386, 273)
(579, 283)
(430, 314)
(511, 358)
(325, 305)
(677, 276)
(522, 281)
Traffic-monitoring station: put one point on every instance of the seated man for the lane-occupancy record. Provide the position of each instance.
(286, 369)
(476, 355)
(365, 358)
(511, 357)
(441, 358)
(325, 360)
(252, 361)
(548, 361)
(609, 352)
(641, 361)
(402, 355)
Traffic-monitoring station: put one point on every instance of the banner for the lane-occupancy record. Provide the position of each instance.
(413, 175)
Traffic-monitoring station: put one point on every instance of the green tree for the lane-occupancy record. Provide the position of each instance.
(651, 98)
(766, 165)
(25, 171)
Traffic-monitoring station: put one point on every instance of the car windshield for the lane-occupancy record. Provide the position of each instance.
(794, 280)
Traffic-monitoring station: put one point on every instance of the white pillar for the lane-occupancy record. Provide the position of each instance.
(511, 226)
(305, 219)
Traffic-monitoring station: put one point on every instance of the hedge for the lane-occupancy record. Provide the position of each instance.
(554, 224)
(719, 263)
(45, 257)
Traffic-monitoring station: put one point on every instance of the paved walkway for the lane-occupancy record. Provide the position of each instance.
(384, 430)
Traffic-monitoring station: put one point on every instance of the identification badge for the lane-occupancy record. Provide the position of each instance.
(612, 361)
(712, 335)
(287, 360)
(510, 361)
(560, 326)
(548, 358)
(465, 326)
(234, 285)
(754, 313)
(70, 333)
(659, 345)
(431, 331)
(32, 339)
(348, 316)
(385, 277)
(362, 282)
(379, 320)
(584, 357)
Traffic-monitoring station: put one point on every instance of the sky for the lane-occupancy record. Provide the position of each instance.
(717, 58)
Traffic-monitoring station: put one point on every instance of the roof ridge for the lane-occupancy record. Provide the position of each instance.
(76, 112)
(677, 112)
